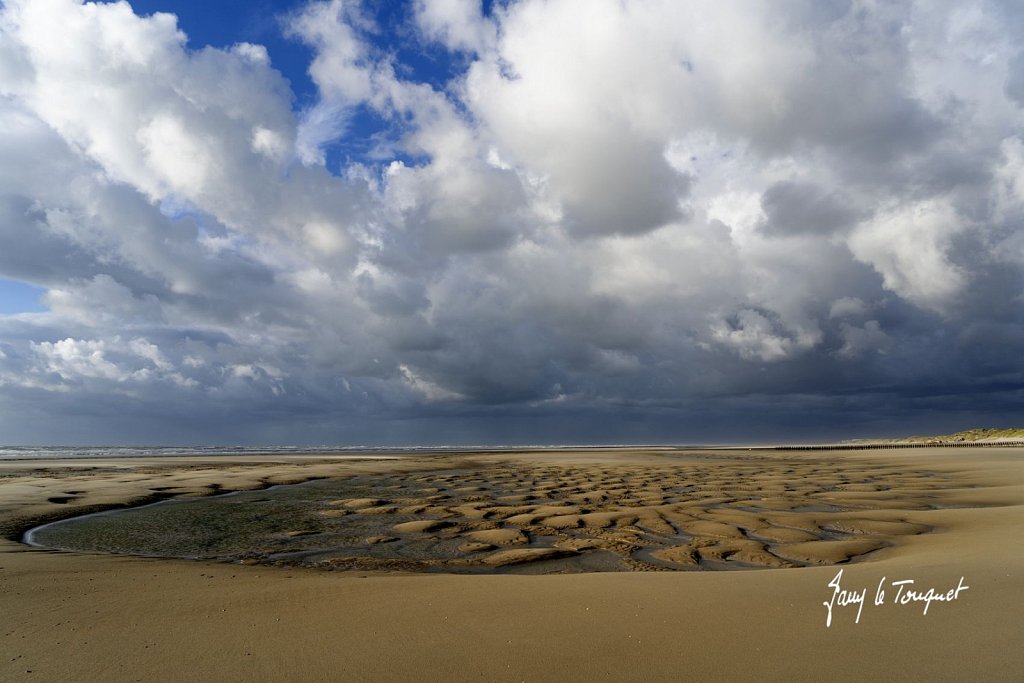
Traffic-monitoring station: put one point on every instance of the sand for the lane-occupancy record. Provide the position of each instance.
(929, 515)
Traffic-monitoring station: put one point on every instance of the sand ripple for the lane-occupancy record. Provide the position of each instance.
(719, 512)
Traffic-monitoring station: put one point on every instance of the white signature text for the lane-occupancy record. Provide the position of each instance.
(902, 592)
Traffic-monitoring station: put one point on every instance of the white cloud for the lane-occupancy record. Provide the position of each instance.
(176, 155)
(112, 360)
(73, 359)
(458, 24)
(431, 391)
(753, 335)
(102, 300)
(908, 246)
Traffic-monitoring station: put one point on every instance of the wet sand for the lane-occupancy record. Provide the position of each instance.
(930, 515)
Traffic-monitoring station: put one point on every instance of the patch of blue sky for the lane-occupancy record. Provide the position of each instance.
(369, 137)
(174, 207)
(414, 59)
(208, 229)
(371, 140)
(364, 136)
(20, 297)
(223, 23)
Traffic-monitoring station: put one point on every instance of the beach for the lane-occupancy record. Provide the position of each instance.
(947, 520)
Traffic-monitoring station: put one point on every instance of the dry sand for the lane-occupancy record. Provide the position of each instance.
(68, 616)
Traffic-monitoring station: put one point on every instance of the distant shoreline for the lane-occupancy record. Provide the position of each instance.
(15, 453)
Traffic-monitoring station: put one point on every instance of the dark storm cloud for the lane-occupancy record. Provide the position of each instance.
(794, 208)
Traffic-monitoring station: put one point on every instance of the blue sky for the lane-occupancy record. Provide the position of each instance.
(19, 297)
(461, 222)
(222, 23)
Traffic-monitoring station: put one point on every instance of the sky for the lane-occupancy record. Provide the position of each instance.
(519, 222)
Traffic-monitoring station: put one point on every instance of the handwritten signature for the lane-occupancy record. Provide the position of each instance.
(906, 592)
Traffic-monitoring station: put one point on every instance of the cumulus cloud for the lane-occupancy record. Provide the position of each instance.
(633, 221)
(908, 247)
(458, 24)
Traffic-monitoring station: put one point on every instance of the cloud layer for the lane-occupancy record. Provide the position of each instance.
(636, 221)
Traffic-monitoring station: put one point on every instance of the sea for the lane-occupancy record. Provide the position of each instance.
(70, 452)
(363, 452)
